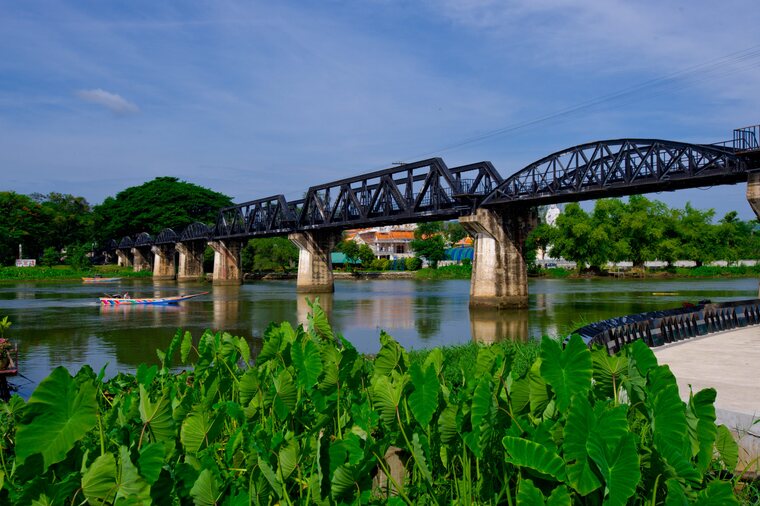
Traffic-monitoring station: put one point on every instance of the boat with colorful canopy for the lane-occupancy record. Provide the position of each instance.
(125, 299)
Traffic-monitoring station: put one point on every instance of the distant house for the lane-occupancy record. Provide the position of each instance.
(390, 242)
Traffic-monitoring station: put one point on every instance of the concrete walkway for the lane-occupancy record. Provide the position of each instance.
(729, 362)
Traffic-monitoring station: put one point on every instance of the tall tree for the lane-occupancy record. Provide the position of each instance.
(428, 242)
(165, 202)
(269, 254)
(24, 222)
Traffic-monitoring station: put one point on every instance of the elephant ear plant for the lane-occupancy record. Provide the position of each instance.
(309, 420)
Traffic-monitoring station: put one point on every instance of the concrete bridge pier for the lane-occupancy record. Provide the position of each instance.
(227, 262)
(190, 260)
(141, 260)
(163, 261)
(753, 196)
(315, 273)
(123, 258)
(499, 271)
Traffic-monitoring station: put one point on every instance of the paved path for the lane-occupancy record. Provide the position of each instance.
(729, 362)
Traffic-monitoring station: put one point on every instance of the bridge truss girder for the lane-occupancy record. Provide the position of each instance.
(619, 167)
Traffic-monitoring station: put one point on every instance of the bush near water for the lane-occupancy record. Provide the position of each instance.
(310, 420)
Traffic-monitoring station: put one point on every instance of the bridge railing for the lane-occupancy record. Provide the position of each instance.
(657, 328)
(746, 138)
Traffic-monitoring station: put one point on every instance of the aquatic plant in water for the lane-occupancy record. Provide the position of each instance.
(309, 420)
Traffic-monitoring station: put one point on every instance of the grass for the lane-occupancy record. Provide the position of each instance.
(447, 272)
(65, 272)
(457, 359)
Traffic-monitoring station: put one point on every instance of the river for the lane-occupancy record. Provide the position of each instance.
(62, 323)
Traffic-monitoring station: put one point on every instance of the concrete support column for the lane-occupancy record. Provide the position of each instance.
(753, 196)
(124, 258)
(499, 271)
(141, 261)
(190, 260)
(227, 263)
(163, 261)
(315, 273)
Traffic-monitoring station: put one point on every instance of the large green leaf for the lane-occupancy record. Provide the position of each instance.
(702, 406)
(288, 459)
(306, 360)
(386, 395)
(205, 491)
(609, 372)
(482, 401)
(568, 372)
(727, 447)
(198, 430)
(528, 494)
(318, 321)
(717, 493)
(59, 414)
(580, 424)
(186, 347)
(540, 395)
(560, 496)
(423, 402)
(133, 489)
(619, 466)
(249, 386)
(157, 416)
(669, 427)
(525, 453)
(390, 357)
(99, 481)
(151, 461)
(286, 394)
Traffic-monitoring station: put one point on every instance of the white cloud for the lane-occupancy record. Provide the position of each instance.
(111, 101)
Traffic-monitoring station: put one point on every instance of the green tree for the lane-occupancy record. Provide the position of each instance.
(273, 254)
(428, 243)
(76, 257)
(69, 219)
(165, 202)
(351, 250)
(697, 235)
(366, 255)
(24, 222)
(454, 231)
(581, 239)
(50, 257)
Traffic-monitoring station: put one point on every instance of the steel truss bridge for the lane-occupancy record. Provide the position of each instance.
(428, 190)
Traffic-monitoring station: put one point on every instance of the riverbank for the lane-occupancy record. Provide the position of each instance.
(465, 272)
(64, 273)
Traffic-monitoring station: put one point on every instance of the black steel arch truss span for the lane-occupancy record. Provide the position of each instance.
(126, 242)
(620, 167)
(262, 217)
(166, 236)
(144, 239)
(195, 232)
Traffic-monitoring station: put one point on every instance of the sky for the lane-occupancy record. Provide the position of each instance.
(253, 98)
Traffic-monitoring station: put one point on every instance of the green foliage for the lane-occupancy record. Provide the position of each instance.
(365, 254)
(641, 230)
(153, 206)
(50, 257)
(429, 243)
(446, 272)
(311, 421)
(76, 257)
(350, 249)
(412, 263)
(67, 272)
(273, 254)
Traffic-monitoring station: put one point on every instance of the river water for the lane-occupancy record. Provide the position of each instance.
(62, 323)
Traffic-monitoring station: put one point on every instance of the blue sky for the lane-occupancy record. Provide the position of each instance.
(259, 98)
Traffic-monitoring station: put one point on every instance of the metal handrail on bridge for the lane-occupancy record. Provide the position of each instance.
(657, 328)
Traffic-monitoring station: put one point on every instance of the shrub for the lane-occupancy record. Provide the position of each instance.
(50, 257)
(413, 263)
